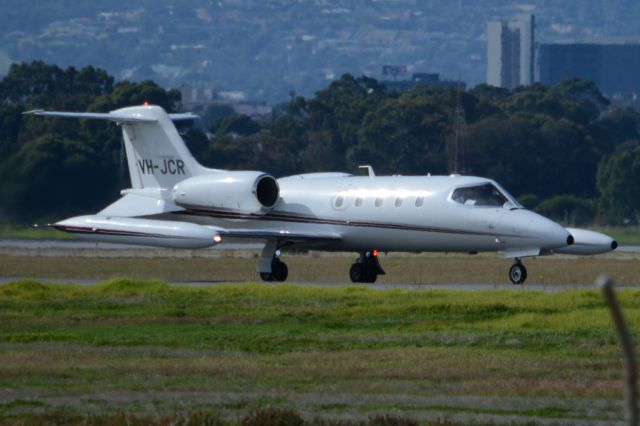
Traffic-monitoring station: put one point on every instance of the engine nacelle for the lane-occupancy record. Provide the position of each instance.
(249, 192)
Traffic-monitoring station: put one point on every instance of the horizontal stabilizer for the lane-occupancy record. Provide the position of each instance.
(156, 154)
(110, 116)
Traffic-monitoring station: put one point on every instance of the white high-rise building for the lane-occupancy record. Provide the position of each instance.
(510, 52)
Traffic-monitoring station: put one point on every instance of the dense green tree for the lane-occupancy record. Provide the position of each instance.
(404, 135)
(492, 94)
(618, 178)
(543, 141)
(341, 109)
(568, 210)
(618, 126)
(48, 174)
(529, 201)
(52, 165)
(259, 152)
(543, 158)
(215, 111)
(126, 93)
(236, 125)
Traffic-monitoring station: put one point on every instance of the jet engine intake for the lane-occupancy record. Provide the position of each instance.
(246, 192)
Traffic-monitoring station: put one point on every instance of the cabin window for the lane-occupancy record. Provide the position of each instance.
(359, 201)
(419, 201)
(339, 201)
(378, 202)
(398, 202)
(485, 195)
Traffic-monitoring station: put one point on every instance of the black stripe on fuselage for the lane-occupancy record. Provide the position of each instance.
(116, 232)
(289, 217)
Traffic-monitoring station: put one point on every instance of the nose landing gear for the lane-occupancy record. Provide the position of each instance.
(517, 272)
(367, 268)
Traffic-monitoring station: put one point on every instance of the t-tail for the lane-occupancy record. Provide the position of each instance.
(158, 159)
(156, 154)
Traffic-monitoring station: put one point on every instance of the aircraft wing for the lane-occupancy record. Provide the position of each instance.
(174, 234)
(296, 237)
(513, 254)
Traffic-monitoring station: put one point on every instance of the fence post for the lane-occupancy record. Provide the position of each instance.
(605, 284)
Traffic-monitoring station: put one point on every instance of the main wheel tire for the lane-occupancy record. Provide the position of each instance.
(517, 273)
(279, 271)
(370, 275)
(266, 276)
(356, 273)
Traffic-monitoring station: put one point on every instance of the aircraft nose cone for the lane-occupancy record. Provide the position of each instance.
(614, 245)
(538, 231)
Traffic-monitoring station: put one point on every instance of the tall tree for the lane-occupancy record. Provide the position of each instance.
(618, 179)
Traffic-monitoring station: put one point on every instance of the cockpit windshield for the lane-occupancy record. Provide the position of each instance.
(485, 195)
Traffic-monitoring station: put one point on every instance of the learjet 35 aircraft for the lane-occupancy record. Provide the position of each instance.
(175, 202)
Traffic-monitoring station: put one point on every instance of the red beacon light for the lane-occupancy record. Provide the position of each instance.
(146, 103)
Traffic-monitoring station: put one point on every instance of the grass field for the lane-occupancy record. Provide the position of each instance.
(154, 349)
(22, 232)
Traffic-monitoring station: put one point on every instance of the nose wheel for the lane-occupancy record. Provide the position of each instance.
(517, 273)
(366, 269)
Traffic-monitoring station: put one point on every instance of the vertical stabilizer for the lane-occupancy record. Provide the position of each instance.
(156, 154)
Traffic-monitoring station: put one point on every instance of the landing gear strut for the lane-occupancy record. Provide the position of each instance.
(270, 267)
(367, 268)
(517, 272)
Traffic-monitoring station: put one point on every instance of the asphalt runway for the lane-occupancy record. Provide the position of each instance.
(549, 288)
(74, 248)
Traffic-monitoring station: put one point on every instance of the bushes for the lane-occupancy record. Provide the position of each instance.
(568, 209)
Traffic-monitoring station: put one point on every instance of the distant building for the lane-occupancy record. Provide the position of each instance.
(195, 96)
(615, 68)
(432, 79)
(510, 52)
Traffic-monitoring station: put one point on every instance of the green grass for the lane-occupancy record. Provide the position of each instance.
(629, 235)
(286, 318)
(326, 351)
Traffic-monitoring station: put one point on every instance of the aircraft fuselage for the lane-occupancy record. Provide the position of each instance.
(396, 213)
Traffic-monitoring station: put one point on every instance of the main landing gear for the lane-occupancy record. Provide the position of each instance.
(367, 268)
(270, 267)
(517, 272)
(279, 271)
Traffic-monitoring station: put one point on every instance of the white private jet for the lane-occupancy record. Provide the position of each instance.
(175, 202)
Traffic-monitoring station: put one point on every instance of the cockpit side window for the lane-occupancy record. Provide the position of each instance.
(485, 195)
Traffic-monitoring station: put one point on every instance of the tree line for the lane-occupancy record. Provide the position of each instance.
(563, 150)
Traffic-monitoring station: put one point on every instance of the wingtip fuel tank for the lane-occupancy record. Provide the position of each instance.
(125, 230)
(588, 242)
